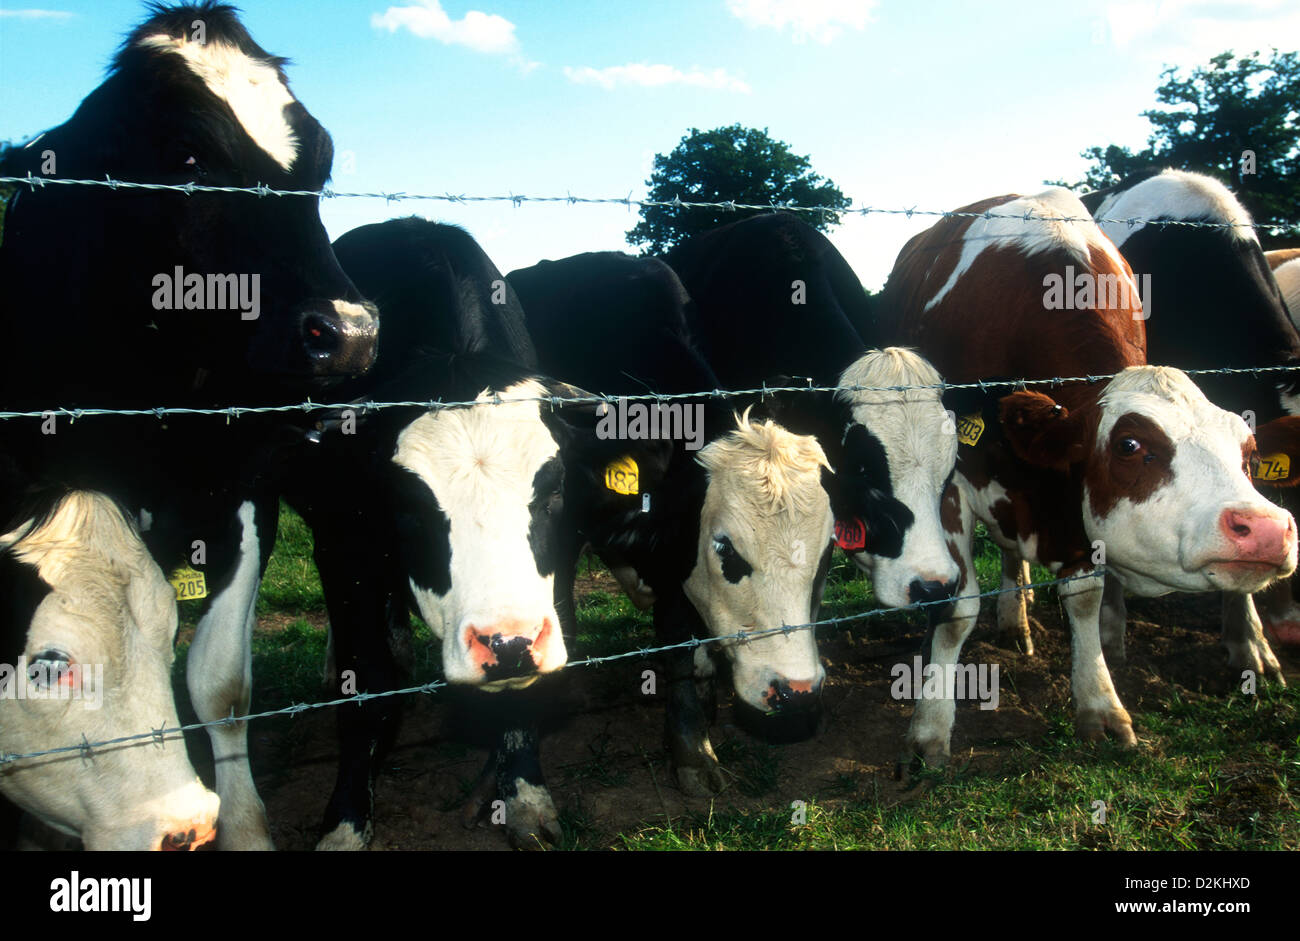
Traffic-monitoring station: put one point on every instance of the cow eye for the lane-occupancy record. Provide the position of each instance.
(723, 547)
(1128, 446)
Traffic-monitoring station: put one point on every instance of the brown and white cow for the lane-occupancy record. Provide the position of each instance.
(1141, 472)
(86, 629)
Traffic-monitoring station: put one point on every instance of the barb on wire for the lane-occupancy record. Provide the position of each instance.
(675, 203)
(434, 405)
(157, 735)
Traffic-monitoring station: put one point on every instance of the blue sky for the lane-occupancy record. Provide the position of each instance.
(900, 103)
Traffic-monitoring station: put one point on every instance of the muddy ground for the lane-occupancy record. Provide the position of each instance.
(606, 766)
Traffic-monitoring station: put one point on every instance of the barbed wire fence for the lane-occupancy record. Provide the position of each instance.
(86, 748)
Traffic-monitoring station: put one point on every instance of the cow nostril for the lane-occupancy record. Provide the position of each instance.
(320, 334)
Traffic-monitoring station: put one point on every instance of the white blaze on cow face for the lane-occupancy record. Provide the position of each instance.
(1167, 492)
(480, 464)
(252, 89)
(765, 525)
(108, 605)
(920, 446)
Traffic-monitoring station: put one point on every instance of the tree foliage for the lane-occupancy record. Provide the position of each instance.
(1209, 119)
(736, 164)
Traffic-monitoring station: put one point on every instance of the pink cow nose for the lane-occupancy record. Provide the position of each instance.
(508, 648)
(1258, 537)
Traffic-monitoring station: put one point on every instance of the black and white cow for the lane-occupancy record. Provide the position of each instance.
(1210, 301)
(454, 513)
(774, 300)
(727, 528)
(87, 623)
(139, 298)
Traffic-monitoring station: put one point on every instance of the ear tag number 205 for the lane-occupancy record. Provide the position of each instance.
(189, 584)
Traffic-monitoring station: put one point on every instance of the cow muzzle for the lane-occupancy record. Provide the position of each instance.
(1259, 545)
(339, 338)
(792, 711)
(512, 649)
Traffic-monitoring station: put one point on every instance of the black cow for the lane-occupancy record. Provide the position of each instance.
(775, 303)
(140, 298)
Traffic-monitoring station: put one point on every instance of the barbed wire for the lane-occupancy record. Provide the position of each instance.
(86, 748)
(560, 401)
(38, 182)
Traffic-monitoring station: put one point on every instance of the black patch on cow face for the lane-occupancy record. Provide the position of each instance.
(424, 532)
(544, 514)
(734, 566)
(21, 592)
(861, 488)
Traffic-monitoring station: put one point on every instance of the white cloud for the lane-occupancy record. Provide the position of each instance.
(819, 20)
(655, 76)
(37, 14)
(482, 32)
(1190, 31)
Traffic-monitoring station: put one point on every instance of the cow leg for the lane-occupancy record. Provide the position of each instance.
(511, 790)
(1013, 606)
(1243, 635)
(929, 736)
(1096, 705)
(1114, 618)
(219, 674)
(686, 726)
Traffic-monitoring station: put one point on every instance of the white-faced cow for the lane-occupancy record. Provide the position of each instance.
(454, 513)
(773, 299)
(1210, 302)
(87, 623)
(149, 298)
(1142, 468)
(727, 527)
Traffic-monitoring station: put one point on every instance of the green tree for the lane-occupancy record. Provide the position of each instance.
(1209, 119)
(736, 164)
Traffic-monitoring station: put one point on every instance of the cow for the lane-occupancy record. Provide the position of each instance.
(775, 303)
(453, 513)
(725, 533)
(1285, 263)
(136, 292)
(1185, 327)
(1140, 471)
(86, 631)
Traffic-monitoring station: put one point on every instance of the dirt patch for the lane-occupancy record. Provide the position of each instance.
(607, 769)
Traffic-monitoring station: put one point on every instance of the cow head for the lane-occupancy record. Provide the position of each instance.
(204, 287)
(479, 493)
(897, 452)
(1166, 481)
(760, 561)
(89, 619)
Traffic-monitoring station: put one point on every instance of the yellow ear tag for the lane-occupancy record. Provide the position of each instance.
(189, 584)
(621, 476)
(969, 428)
(1273, 467)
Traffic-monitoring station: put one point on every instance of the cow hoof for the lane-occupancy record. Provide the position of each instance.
(1092, 726)
(1017, 637)
(1257, 658)
(920, 758)
(531, 820)
(700, 781)
(345, 838)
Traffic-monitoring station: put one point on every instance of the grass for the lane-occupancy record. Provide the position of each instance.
(1210, 773)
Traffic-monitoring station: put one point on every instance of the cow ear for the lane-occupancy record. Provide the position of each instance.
(1040, 431)
(1278, 443)
(966, 401)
